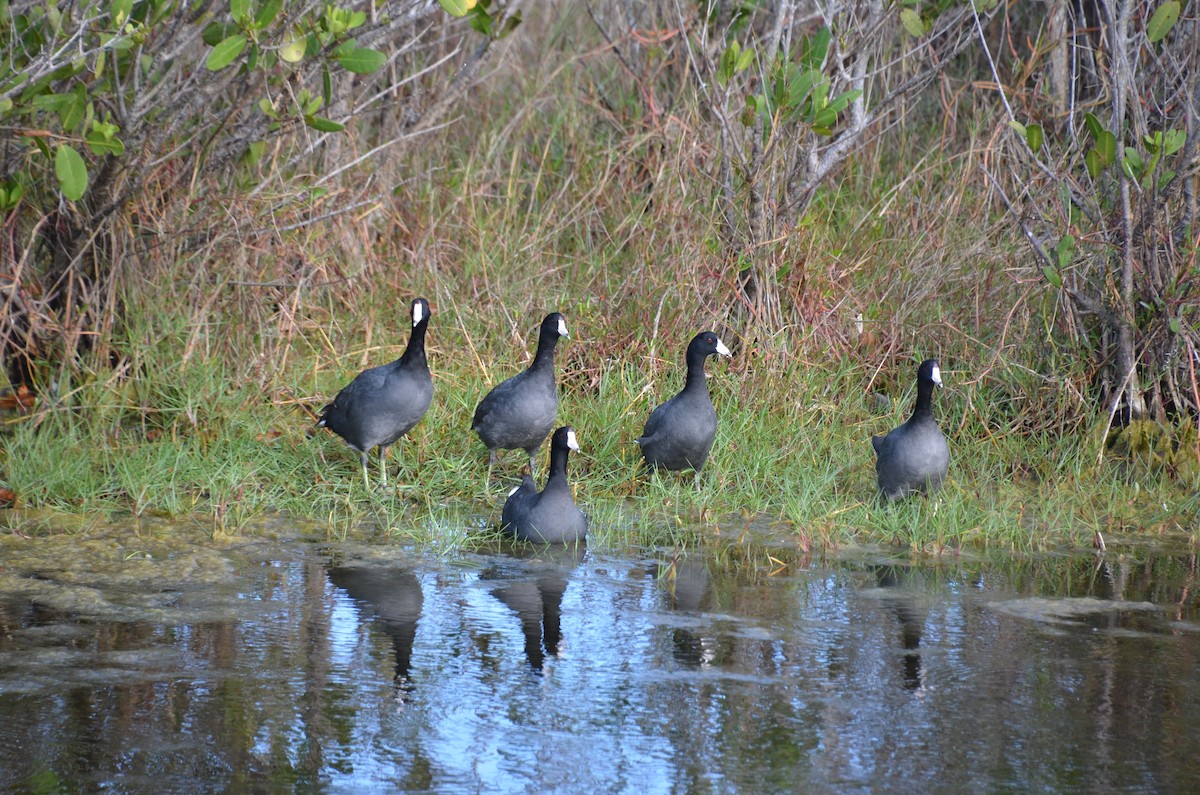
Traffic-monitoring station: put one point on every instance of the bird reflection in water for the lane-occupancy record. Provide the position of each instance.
(903, 605)
(534, 591)
(686, 583)
(391, 598)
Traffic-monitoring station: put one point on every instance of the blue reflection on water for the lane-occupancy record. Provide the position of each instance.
(380, 671)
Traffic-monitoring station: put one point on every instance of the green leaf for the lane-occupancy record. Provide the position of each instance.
(239, 9)
(801, 89)
(314, 45)
(215, 32)
(54, 16)
(824, 120)
(745, 59)
(293, 51)
(223, 54)
(71, 172)
(362, 60)
(816, 48)
(118, 11)
(266, 13)
(323, 125)
(1106, 144)
(1173, 140)
(911, 21)
(1164, 18)
(71, 113)
(101, 144)
(1020, 128)
(123, 44)
(1065, 251)
(728, 62)
(820, 93)
(11, 192)
(1129, 168)
(1034, 137)
(481, 20)
(159, 10)
(1093, 124)
(1176, 326)
(843, 100)
(53, 103)
(1052, 275)
(255, 151)
(455, 8)
(1094, 163)
(510, 23)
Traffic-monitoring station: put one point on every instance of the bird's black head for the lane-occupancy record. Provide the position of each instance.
(564, 439)
(555, 324)
(420, 311)
(931, 371)
(707, 343)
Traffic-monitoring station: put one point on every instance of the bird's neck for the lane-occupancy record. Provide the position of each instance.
(415, 352)
(544, 358)
(558, 464)
(696, 379)
(924, 404)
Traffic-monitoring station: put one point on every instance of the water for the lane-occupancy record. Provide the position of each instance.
(168, 664)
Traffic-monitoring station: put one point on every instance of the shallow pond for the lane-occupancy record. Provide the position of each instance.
(163, 664)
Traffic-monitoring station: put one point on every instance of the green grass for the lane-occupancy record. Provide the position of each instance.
(792, 461)
(545, 198)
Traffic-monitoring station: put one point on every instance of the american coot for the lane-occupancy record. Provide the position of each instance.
(383, 403)
(550, 517)
(914, 457)
(680, 432)
(519, 412)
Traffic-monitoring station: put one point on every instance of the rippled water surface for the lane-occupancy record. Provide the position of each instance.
(155, 665)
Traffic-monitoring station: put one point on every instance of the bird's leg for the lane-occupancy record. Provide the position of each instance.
(696, 479)
(491, 463)
(383, 464)
(531, 461)
(362, 458)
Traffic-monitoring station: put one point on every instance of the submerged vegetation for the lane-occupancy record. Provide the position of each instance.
(214, 315)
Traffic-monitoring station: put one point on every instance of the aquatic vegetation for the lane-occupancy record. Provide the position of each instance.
(1148, 447)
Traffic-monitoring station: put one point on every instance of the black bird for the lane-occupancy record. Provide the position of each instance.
(549, 517)
(383, 403)
(519, 412)
(914, 456)
(679, 433)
